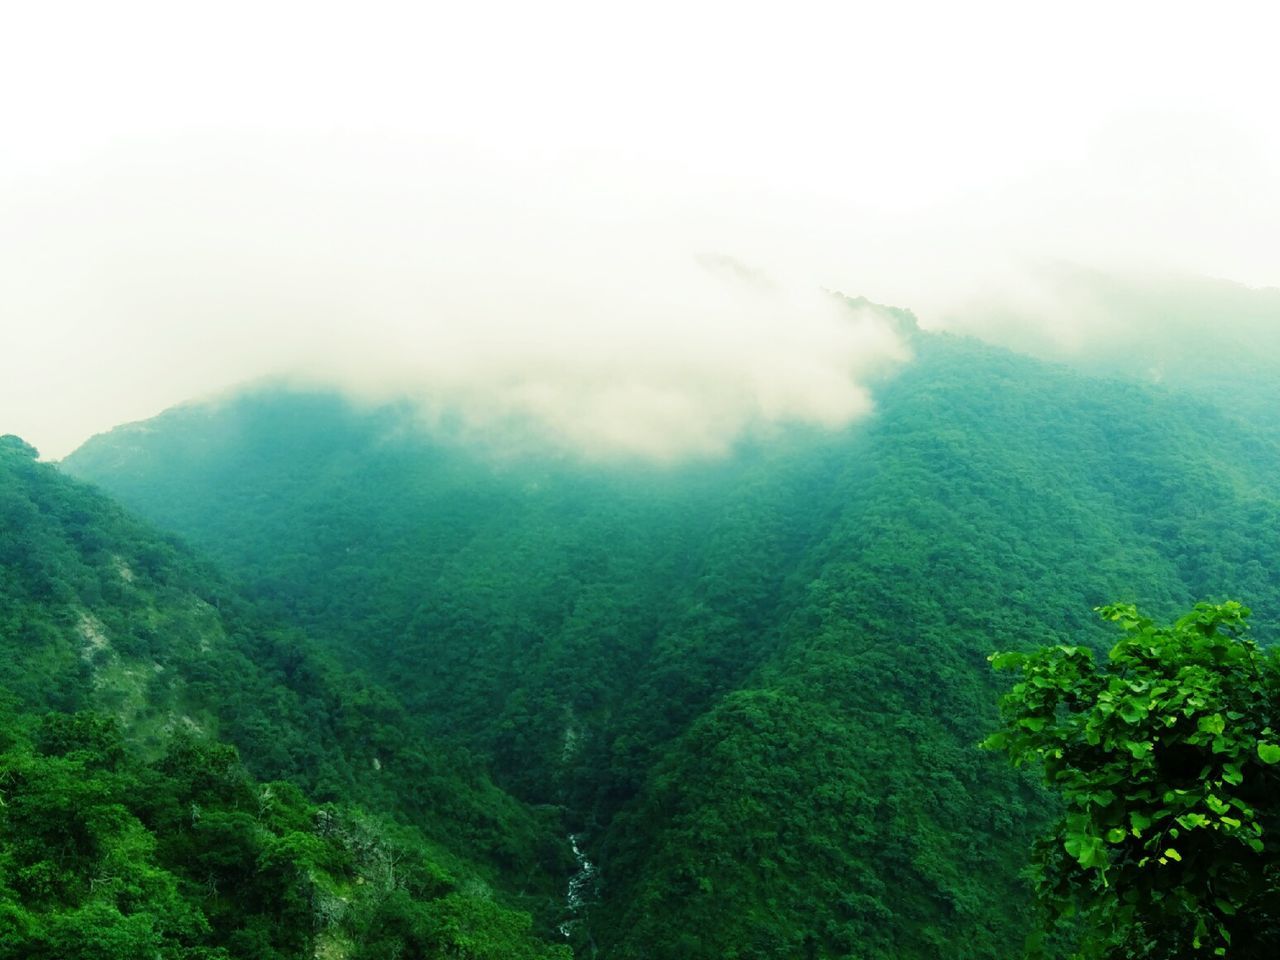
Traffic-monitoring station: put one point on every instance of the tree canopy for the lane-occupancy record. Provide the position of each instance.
(1165, 759)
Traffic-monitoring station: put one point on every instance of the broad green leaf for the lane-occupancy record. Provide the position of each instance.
(1211, 724)
(1131, 712)
(1007, 660)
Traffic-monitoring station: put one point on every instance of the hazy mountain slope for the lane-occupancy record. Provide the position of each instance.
(1218, 339)
(837, 805)
(100, 613)
(756, 683)
(463, 576)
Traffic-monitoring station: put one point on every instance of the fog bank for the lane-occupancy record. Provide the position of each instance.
(616, 226)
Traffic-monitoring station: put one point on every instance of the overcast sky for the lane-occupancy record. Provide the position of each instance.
(507, 207)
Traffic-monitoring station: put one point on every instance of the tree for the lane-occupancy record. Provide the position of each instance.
(1164, 757)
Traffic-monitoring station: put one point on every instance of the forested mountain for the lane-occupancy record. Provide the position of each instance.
(1216, 339)
(754, 685)
(159, 738)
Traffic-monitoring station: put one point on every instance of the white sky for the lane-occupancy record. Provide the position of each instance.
(499, 205)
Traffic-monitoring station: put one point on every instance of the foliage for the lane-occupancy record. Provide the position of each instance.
(107, 857)
(1165, 759)
(127, 829)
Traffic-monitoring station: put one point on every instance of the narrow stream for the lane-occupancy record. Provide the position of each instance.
(582, 888)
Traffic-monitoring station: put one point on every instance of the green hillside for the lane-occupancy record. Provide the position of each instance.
(755, 685)
(160, 738)
(1216, 339)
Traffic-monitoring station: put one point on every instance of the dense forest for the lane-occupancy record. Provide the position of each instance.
(182, 776)
(751, 688)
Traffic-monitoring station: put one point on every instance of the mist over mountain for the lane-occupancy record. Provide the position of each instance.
(520, 221)
(1213, 337)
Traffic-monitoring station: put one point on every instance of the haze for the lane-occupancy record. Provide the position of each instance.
(511, 210)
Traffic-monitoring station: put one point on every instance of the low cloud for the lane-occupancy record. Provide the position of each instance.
(613, 229)
(672, 361)
(561, 309)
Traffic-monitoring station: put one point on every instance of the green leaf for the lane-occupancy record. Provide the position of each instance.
(997, 741)
(1087, 849)
(1131, 712)
(1007, 661)
(1214, 724)
(1268, 753)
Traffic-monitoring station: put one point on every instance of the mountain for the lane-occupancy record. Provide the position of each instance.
(161, 736)
(754, 684)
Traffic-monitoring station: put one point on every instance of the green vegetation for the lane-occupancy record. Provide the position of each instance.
(1165, 759)
(1196, 333)
(133, 683)
(108, 857)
